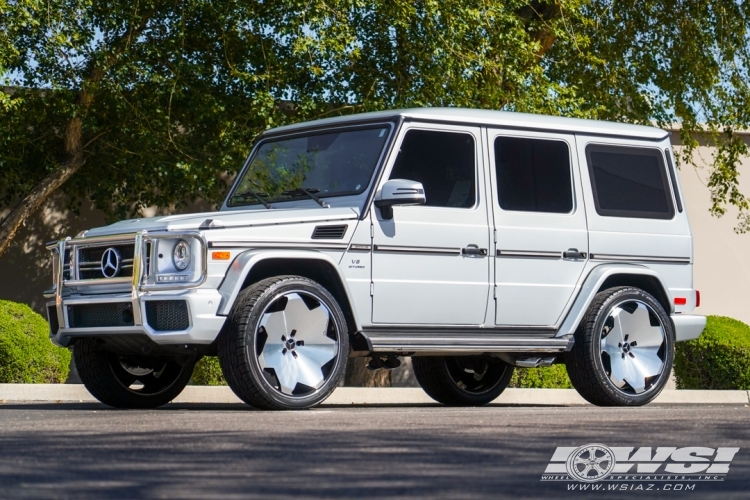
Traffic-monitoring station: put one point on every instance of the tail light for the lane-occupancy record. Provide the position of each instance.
(697, 298)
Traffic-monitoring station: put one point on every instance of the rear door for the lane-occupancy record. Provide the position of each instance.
(540, 223)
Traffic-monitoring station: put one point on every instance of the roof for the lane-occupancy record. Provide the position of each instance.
(503, 119)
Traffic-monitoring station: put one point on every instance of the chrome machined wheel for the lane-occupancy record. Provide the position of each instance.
(285, 344)
(623, 350)
(296, 343)
(633, 347)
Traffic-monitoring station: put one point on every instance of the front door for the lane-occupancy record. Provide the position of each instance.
(540, 222)
(430, 263)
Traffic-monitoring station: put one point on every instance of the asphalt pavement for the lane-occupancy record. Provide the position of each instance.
(82, 451)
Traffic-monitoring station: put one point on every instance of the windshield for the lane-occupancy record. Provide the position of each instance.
(326, 164)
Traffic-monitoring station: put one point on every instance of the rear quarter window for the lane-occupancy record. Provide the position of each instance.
(629, 182)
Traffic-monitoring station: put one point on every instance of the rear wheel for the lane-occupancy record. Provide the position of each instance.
(462, 380)
(623, 350)
(129, 381)
(285, 344)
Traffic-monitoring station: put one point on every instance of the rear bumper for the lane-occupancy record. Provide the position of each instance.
(203, 323)
(688, 326)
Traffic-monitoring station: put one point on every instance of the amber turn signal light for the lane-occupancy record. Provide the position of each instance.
(220, 255)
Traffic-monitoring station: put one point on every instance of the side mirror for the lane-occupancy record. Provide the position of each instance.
(399, 192)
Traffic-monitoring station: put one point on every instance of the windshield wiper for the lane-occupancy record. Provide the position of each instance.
(257, 195)
(310, 192)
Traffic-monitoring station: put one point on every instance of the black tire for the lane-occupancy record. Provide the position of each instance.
(244, 340)
(591, 369)
(105, 377)
(462, 380)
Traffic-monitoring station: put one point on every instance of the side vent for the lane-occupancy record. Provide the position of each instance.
(329, 232)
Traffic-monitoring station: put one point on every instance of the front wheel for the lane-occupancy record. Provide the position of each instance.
(285, 344)
(623, 350)
(462, 380)
(129, 381)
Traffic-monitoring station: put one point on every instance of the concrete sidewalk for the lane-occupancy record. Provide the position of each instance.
(66, 393)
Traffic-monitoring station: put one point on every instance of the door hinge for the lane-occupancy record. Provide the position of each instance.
(372, 289)
(495, 235)
(372, 230)
(494, 292)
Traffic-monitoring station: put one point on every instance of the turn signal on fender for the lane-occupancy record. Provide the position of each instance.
(220, 255)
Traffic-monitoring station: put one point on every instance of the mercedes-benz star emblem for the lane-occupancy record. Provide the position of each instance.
(111, 263)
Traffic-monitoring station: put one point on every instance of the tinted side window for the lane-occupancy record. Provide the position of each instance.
(533, 175)
(629, 182)
(443, 162)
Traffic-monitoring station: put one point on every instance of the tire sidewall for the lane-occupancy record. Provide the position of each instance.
(444, 388)
(615, 299)
(254, 317)
(95, 367)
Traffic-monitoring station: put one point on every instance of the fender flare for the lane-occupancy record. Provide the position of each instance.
(242, 265)
(591, 285)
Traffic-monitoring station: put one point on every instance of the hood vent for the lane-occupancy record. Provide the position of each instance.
(329, 232)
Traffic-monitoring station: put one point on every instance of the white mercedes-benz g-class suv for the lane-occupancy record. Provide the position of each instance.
(472, 241)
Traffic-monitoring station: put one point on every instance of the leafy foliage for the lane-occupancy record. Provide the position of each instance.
(170, 95)
(208, 372)
(547, 377)
(718, 359)
(26, 354)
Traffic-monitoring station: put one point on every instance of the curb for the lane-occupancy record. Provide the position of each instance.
(375, 396)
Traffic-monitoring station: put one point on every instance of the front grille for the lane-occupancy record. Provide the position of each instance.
(329, 232)
(100, 315)
(89, 261)
(54, 325)
(167, 315)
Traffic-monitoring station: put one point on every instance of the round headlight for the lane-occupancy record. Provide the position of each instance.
(181, 255)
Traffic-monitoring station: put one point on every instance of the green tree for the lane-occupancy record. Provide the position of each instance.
(151, 102)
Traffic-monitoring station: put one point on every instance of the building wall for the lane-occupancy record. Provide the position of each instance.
(722, 258)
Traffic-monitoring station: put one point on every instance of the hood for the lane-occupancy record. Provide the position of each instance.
(228, 219)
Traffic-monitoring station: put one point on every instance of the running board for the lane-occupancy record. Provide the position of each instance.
(438, 342)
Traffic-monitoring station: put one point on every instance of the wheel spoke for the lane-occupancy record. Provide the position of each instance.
(275, 325)
(612, 341)
(320, 354)
(284, 369)
(645, 364)
(619, 372)
(638, 328)
(311, 324)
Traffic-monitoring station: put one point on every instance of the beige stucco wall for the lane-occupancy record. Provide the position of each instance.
(722, 258)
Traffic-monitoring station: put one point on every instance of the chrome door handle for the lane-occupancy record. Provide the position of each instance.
(573, 253)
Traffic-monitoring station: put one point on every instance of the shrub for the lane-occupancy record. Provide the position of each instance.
(548, 377)
(718, 359)
(26, 353)
(208, 372)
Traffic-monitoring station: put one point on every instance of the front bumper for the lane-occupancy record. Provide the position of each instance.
(203, 323)
(688, 326)
(131, 300)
